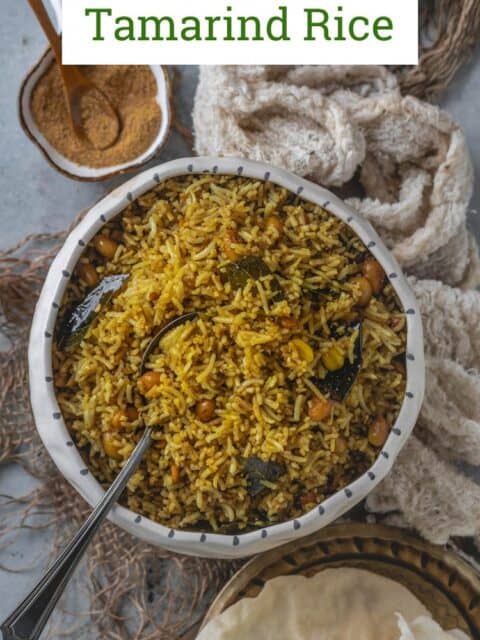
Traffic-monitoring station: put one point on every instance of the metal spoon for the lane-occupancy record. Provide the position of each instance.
(30, 617)
(80, 93)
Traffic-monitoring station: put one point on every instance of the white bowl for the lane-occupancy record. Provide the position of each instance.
(79, 171)
(58, 441)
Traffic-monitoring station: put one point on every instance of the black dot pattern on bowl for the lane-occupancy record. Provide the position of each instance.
(130, 196)
(392, 276)
(371, 244)
(348, 493)
(84, 472)
(325, 204)
(411, 312)
(266, 177)
(215, 169)
(55, 305)
(156, 177)
(66, 274)
(81, 243)
(299, 190)
(321, 510)
(69, 443)
(385, 454)
(409, 394)
(349, 219)
(190, 168)
(48, 379)
(57, 415)
(103, 218)
(236, 541)
(48, 334)
(239, 171)
(410, 356)
(371, 475)
(171, 533)
(264, 533)
(138, 519)
(203, 538)
(296, 524)
(397, 432)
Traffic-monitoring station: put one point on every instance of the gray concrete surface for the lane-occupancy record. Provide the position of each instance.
(36, 198)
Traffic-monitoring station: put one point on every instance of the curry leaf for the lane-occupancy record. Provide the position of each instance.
(250, 268)
(76, 322)
(259, 471)
(240, 272)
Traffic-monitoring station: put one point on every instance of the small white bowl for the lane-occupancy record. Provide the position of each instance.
(57, 439)
(83, 172)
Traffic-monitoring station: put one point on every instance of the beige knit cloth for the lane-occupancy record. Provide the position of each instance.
(336, 123)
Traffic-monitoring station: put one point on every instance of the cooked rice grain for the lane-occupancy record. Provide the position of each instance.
(238, 353)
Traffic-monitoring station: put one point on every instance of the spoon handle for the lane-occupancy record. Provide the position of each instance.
(44, 20)
(30, 617)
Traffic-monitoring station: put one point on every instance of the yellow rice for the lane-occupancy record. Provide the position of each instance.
(173, 242)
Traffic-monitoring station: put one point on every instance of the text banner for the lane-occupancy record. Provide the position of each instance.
(240, 32)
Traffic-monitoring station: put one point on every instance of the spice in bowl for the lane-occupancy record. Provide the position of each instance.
(132, 90)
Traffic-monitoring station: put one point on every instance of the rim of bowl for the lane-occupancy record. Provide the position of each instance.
(104, 173)
(52, 428)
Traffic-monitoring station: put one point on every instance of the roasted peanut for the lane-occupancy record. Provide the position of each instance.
(87, 272)
(274, 222)
(205, 410)
(105, 246)
(288, 322)
(118, 420)
(229, 241)
(132, 413)
(378, 432)
(110, 445)
(150, 379)
(319, 409)
(364, 291)
(374, 273)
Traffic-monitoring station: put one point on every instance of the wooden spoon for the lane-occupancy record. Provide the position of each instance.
(92, 115)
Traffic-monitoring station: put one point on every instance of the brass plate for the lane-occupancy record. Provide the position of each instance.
(444, 583)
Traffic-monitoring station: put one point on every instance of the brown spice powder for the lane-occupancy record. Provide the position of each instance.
(132, 90)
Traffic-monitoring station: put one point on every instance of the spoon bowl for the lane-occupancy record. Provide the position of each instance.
(94, 118)
(79, 90)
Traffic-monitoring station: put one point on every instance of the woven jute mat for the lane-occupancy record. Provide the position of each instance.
(449, 30)
(125, 588)
(130, 590)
